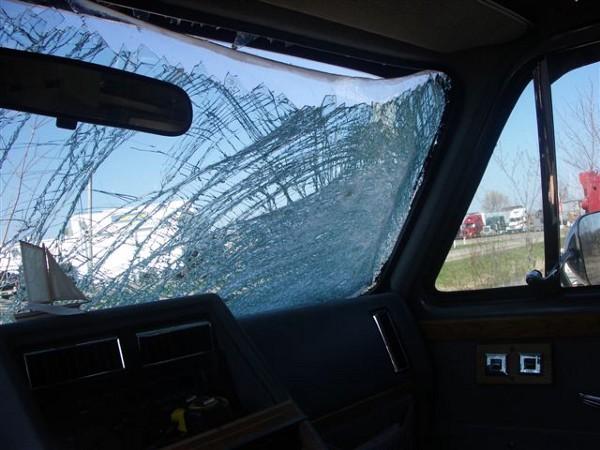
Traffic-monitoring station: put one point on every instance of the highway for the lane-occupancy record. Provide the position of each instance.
(491, 244)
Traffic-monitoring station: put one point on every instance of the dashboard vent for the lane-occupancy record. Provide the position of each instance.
(58, 365)
(172, 343)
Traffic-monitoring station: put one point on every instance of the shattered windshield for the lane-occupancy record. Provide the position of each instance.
(291, 186)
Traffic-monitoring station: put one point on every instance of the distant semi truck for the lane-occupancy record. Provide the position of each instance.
(517, 220)
(478, 224)
(472, 225)
(496, 222)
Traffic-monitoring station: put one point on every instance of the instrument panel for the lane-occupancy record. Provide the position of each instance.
(176, 373)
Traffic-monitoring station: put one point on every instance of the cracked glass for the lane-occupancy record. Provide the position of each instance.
(291, 186)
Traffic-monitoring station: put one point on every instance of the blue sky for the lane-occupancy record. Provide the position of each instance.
(302, 87)
(566, 92)
(304, 83)
(520, 133)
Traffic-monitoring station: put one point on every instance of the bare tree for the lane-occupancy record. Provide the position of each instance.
(494, 201)
(579, 132)
(521, 170)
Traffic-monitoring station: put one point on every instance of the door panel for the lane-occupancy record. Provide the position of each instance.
(332, 359)
(473, 415)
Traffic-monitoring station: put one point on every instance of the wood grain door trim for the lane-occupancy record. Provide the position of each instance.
(513, 327)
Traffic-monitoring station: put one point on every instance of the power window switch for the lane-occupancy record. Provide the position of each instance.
(495, 364)
(530, 363)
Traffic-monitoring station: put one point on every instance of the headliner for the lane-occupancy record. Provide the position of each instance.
(438, 26)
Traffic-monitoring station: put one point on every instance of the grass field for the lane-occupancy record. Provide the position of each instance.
(491, 267)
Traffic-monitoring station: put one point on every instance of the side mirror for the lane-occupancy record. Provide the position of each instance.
(581, 257)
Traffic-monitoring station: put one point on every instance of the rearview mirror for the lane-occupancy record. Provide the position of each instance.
(75, 91)
(582, 245)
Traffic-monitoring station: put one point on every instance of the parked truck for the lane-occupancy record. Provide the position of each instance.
(478, 224)
(517, 220)
(496, 222)
(472, 225)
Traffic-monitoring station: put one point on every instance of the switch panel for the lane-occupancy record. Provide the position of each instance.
(517, 363)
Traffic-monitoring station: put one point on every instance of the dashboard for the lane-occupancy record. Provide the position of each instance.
(174, 374)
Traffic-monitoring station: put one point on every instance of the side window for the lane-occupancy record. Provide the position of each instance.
(501, 238)
(576, 109)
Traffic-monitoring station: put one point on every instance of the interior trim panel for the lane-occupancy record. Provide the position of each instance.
(508, 327)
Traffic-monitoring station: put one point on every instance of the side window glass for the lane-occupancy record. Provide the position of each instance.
(502, 237)
(576, 108)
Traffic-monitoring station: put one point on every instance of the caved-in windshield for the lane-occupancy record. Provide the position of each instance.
(290, 187)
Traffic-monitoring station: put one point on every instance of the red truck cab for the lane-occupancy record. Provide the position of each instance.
(473, 225)
(590, 181)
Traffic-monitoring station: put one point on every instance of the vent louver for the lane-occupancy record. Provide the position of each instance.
(174, 343)
(54, 366)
